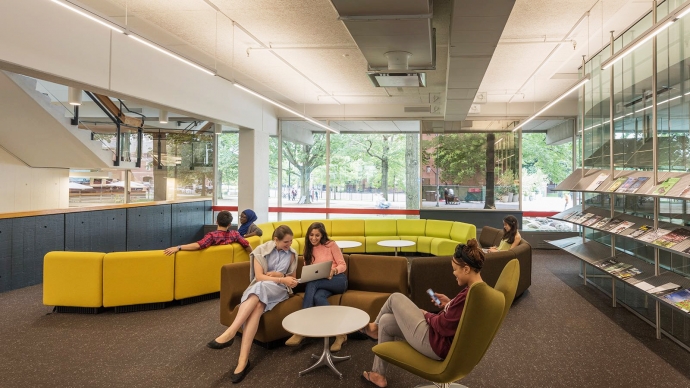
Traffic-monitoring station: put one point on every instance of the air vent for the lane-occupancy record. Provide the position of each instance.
(386, 80)
(417, 109)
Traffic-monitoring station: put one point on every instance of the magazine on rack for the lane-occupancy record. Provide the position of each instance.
(597, 182)
(621, 227)
(665, 186)
(637, 184)
(626, 185)
(572, 216)
(637, 233)
(616, 184)
(663, 288)
(583, 218)
(601, 223)
(628, 273)
(685, 193)
(680, 299)
(591, 221)
(611, 224)
(673, 238)
(606, 263)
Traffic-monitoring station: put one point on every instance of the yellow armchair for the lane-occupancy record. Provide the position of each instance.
(485, 309)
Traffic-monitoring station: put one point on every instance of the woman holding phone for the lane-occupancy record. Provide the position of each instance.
(429, 333)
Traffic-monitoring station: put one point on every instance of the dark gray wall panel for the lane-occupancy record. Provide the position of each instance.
(96, 231)
(32, 238)
(149, 228)
(5, 255)
(187, 222)
(209, 213)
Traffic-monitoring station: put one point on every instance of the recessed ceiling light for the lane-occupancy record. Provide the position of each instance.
(346, 55)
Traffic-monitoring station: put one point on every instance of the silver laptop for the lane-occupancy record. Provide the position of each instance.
(316, 271)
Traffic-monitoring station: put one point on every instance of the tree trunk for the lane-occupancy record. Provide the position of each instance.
(384, 166)
(304, 179)
(412, 172)
(489, 201)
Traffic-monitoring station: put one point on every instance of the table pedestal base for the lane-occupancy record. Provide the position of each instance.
(326, 359)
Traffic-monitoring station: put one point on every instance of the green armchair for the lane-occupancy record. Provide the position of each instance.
(485, 309)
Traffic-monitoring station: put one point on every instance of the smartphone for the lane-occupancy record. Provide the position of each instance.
(433, 296)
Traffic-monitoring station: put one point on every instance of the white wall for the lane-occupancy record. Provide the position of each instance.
(26, 189)
(45, 40)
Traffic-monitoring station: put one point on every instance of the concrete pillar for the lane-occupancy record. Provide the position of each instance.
(253, 172)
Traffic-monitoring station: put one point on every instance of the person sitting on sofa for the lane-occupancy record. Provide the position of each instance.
(220, 236)
(429, 333)
(248, 227)
(272, 280)
(319, 248)
(511, 235)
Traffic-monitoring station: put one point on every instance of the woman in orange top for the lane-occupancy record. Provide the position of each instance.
(319, 248)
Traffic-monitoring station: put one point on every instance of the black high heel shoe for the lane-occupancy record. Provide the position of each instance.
(237, 377)
(218, 345)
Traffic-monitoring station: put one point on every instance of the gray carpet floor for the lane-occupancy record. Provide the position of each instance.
(558, 334)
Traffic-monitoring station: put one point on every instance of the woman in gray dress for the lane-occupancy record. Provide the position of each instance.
(272, 275)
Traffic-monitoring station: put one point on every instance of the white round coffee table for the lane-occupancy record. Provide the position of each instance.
(325, 321)
(396, 244)
(343, 244)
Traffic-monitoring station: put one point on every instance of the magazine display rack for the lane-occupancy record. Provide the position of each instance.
(662, 281)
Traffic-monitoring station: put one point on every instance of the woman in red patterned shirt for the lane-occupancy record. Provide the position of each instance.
(429, 333)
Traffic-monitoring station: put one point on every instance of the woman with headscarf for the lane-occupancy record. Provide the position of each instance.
(247, 226)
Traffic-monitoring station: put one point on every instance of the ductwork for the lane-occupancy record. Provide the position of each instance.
(395, 37)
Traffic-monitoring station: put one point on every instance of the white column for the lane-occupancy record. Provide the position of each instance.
(253, 172)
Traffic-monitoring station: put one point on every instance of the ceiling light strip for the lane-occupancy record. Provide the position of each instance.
(649, 34)
(554, 102)
(285, 108)
(86, 15)
(170, 54)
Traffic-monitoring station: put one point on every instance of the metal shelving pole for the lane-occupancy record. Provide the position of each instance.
(612, 196)
(655, 158)
(582, 155)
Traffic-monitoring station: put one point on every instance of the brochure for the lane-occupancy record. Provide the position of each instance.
(626, 185)
(664, 288)
(572, 216)
(583, 218)
(628, 273)
(591, 221)
(644, 286)
(637, 184)
(685, 193)
(601, 223)
(665, 186)
(669, 240)
(616, 184)
(597, 182)
(681, 299)
(611, 224)
(641, 230)
(607, 263)
(621, 226)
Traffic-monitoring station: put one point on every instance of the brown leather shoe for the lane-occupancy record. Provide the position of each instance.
(294, 340)
(338, 343)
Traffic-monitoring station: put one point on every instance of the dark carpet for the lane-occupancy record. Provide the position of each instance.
(558, 334)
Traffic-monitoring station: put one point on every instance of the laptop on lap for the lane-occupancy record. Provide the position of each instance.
(316, 271)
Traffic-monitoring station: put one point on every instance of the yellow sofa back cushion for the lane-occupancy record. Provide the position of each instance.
(411, 227)
(73, 279)
(381, 227)
(461, 232)
(436, 228)
(198, 272)
(267, 230)
(348, 227)
(295, 226)
(307, 223)
(137, 277)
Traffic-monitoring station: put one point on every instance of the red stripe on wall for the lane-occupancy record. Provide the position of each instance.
(329, 210)
(539, 214)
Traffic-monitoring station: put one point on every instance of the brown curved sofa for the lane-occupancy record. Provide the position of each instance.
(435, 272)
(371, 280)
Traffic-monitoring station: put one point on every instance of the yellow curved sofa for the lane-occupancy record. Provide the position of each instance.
(435, 237)
(96, 279)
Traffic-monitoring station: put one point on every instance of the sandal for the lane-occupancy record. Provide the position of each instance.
(365, 377)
